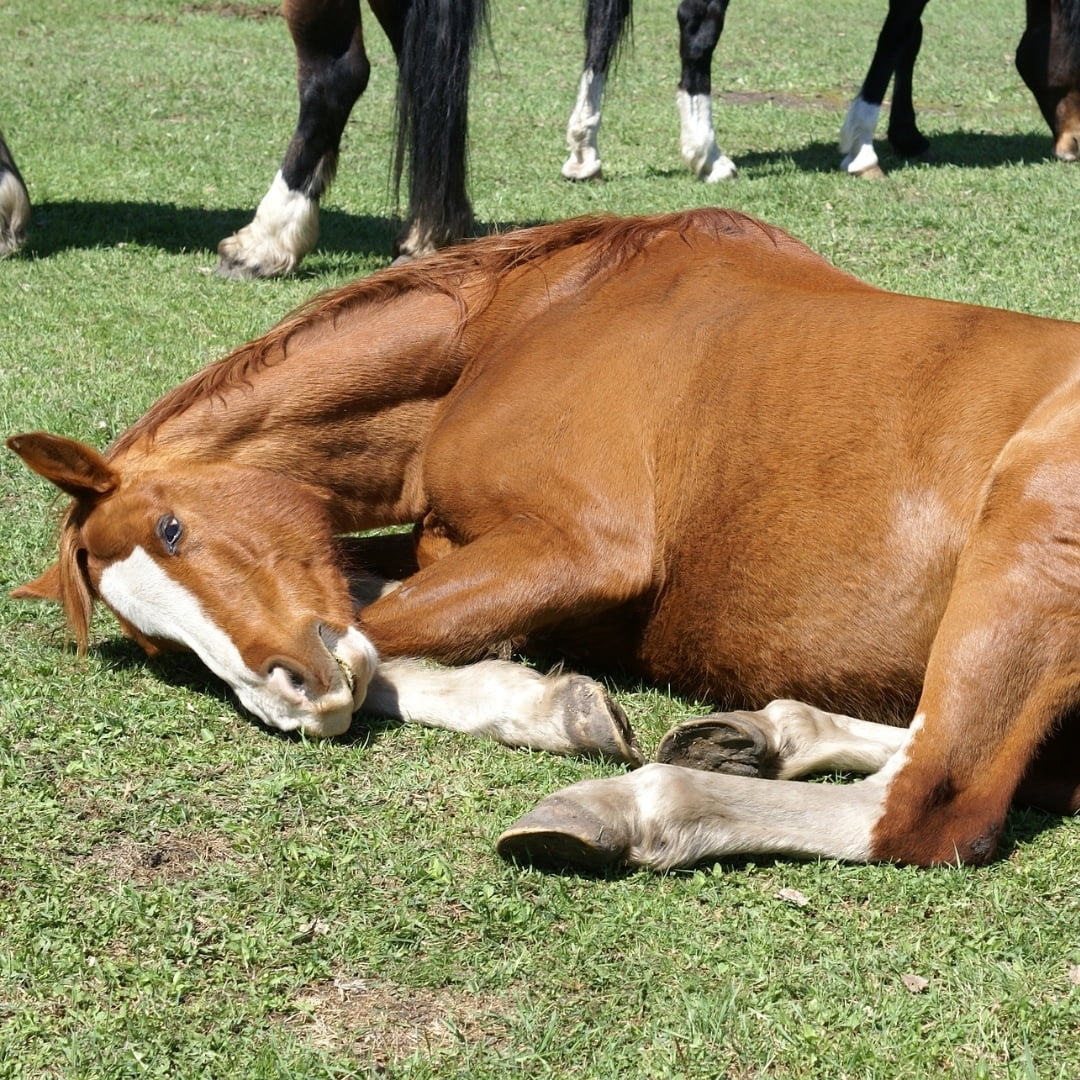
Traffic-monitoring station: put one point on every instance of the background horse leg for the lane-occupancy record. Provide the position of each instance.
(700, 25)
(1048, 59)
(332, 72)
(14, 203)
(604, 24)
(897, 48)
(435, 61)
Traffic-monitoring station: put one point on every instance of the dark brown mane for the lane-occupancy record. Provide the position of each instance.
(487, 261)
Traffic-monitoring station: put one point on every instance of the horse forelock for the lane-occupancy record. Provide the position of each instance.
(470, 274)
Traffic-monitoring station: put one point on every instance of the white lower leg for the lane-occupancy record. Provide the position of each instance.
(514, 705)
(807, 740)
(697, 139)
(285, 229)
(665, 817)
(582, 129)
(857, 138)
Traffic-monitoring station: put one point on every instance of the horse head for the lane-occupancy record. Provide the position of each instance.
(236, 564)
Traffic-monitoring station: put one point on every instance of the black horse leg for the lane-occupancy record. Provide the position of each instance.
(903, 133)
(14, 203)
(897, 47)
(332, 72)
(700, 24)
(605, 21)
(1048, 59)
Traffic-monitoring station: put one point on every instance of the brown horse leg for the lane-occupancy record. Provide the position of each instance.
(332, 72)
(1048, 59)
(785, 740)
(520, 577)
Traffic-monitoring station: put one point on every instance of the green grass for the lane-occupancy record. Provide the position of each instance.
(183, 893)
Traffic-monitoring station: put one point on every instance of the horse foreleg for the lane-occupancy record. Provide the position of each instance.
(700, 24)
(898, 43)
(514, 705)
(332, 72)
(785, 740)
(14, 203)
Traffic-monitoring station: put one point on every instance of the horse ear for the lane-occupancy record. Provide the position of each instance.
(46, 587)
(72, 466)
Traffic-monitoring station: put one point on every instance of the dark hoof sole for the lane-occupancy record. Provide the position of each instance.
(722, 743)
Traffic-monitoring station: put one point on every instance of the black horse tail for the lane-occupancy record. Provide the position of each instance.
(434, 67)
(605, 22)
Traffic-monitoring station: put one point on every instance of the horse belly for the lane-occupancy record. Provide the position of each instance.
(841, 617)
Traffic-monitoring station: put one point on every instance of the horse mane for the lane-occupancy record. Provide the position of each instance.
(483, 262)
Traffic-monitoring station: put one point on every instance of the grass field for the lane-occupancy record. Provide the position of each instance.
(185, 894)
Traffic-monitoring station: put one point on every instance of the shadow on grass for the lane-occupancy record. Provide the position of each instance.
(65, 226)
(966, 149)
(186, 671)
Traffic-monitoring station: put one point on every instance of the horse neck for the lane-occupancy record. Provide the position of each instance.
(344, 403)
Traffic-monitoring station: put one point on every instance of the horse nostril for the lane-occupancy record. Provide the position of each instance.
(295, 679)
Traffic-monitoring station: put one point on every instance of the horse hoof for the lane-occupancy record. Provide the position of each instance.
(723, 743)
(594, 723)
(561, 832)
(871, 172)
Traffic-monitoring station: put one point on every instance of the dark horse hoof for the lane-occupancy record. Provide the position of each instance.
(723, 742)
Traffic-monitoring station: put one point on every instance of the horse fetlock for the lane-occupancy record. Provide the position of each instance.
(594, 724)
(285, 229)
(722, 742)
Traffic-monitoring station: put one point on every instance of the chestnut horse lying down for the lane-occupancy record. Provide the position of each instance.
(684, 446)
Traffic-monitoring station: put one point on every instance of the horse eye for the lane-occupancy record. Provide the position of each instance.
(170, 530)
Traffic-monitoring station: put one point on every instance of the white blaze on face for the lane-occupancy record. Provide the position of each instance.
(141, 592)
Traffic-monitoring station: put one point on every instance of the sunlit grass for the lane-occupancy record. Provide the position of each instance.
(183, 893)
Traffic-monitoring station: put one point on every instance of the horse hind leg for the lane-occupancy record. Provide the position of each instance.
(785, 740)
(332, 73)
(14, 203)
(605, 21)
(700, 24)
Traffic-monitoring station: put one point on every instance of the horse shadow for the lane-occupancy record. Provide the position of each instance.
(966, 149)
(69, 225)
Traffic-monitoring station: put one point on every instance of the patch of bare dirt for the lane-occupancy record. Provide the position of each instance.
(783, 100)
(383, 1022)
(171, 856)
(233, 9)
